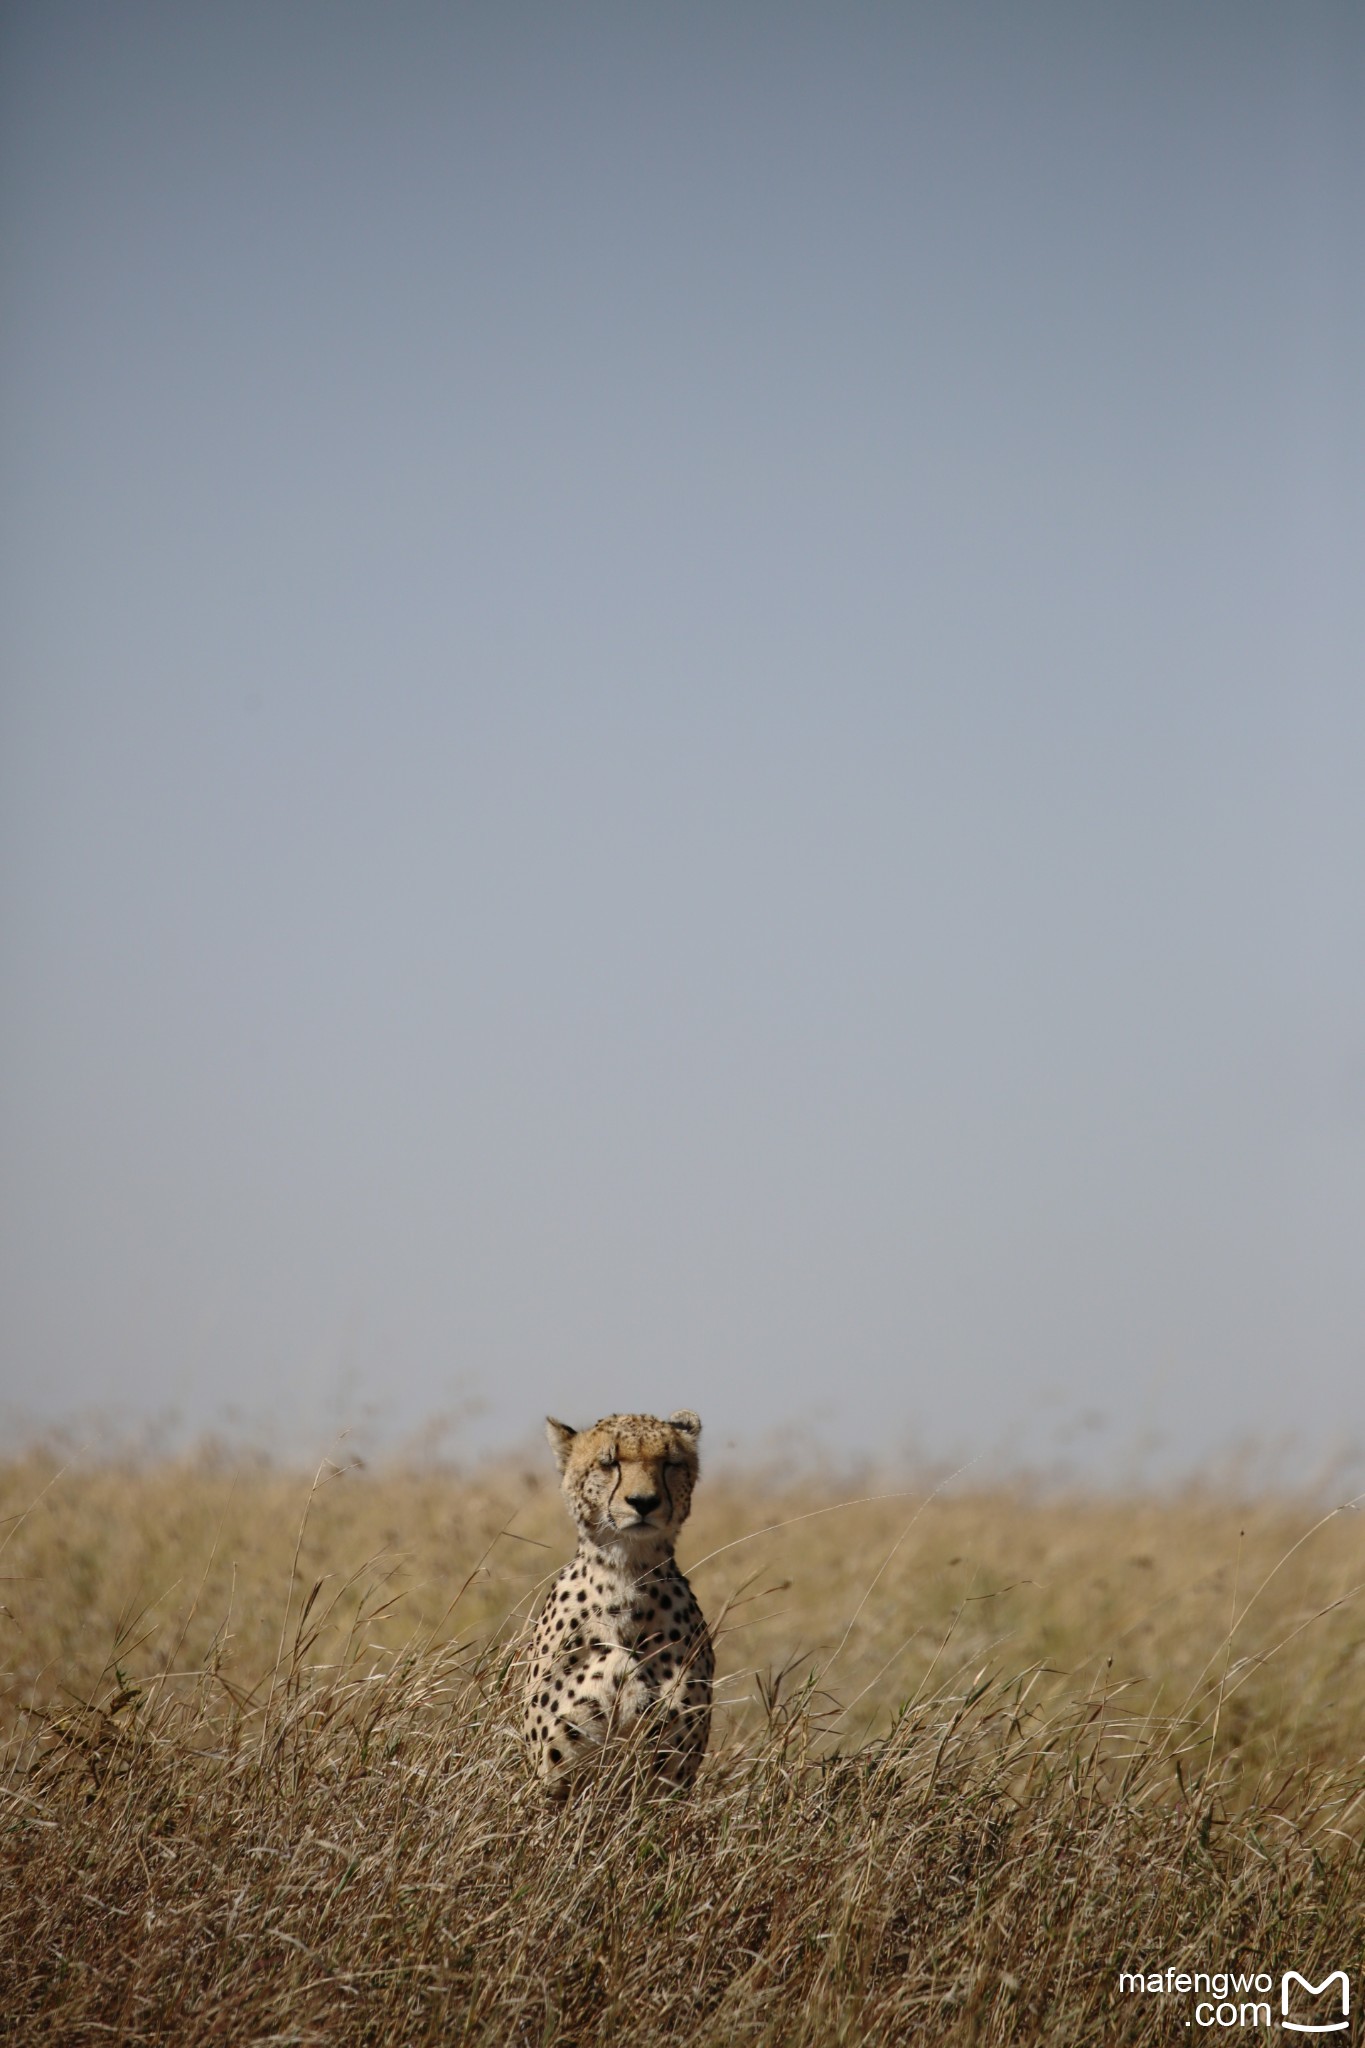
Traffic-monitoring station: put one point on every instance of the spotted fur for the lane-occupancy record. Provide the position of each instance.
(621, 1652)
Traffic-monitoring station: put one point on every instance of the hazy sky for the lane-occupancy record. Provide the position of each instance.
(684, 716)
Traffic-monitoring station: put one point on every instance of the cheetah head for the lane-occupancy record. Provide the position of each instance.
(628, 1480)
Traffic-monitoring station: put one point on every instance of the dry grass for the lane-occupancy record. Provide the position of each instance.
(979, 1752)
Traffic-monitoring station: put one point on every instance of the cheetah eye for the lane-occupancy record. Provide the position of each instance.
(608, 1461)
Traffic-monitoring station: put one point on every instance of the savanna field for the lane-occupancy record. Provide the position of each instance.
(975, 1753)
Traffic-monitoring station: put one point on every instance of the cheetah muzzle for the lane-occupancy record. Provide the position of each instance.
(621, 1655)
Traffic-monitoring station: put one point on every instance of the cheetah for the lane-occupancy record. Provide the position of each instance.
(621, 1646)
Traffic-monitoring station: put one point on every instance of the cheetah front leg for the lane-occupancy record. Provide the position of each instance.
(602, 1698)
(684, 1709)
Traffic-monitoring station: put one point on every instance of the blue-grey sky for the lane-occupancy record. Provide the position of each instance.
(683, 716)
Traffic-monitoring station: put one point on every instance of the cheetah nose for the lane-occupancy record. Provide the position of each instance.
(643, 1503)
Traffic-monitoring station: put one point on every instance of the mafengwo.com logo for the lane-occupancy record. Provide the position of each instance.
(1247, 1998)
(1338, 1982)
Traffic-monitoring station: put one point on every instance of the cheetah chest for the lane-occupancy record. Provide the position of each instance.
(610, 1652)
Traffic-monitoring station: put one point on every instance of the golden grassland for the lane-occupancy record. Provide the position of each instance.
(975, 1753)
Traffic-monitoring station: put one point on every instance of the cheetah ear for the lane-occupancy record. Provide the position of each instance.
(561, 1440)
(686, 1421)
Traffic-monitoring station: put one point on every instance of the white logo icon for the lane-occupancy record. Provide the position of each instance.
(1315, 1991)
